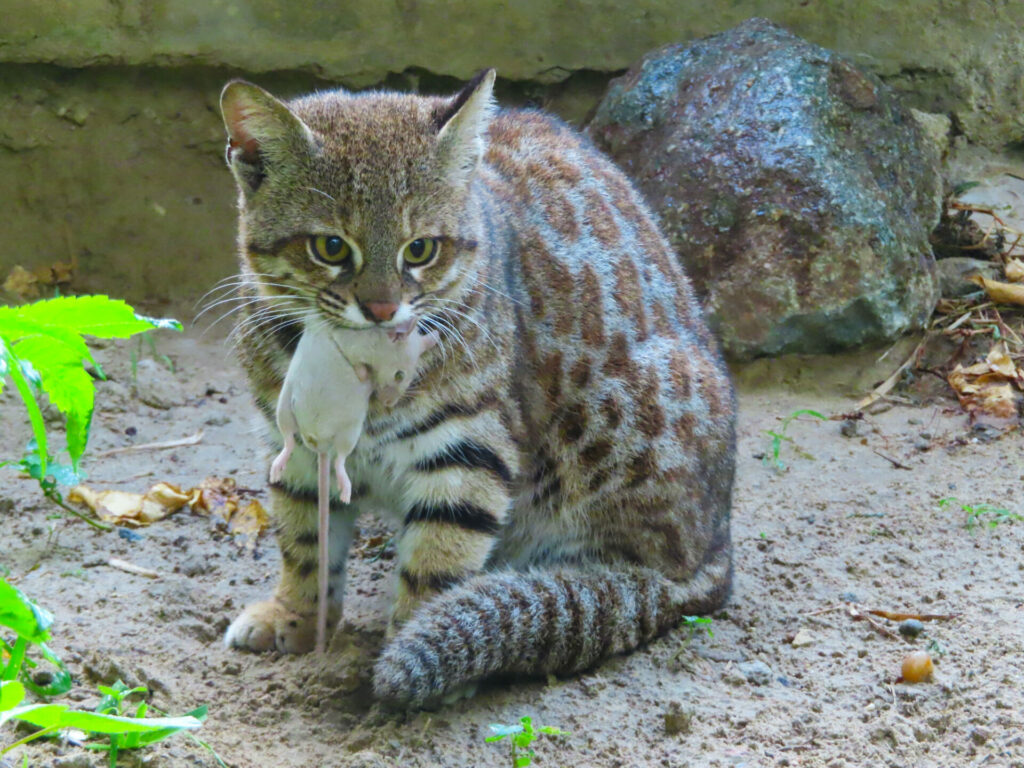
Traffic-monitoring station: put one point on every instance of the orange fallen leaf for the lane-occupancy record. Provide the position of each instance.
(1001, 293)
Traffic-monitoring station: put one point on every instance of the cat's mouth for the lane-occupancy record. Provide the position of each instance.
(396, 331)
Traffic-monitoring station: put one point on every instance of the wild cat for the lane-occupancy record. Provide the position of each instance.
(561, 477)
(325, 396)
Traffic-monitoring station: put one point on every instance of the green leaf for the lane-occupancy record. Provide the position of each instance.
(11, 694)
(35, 416)
(40, 715)
(963, 186)
(552, 731)
(98, 316)
(59, 716)
(67, 384)
(60, 682)
(13, 327)
(22, 615)
(504, 730)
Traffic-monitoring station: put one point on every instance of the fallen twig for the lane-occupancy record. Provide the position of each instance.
(882, 389)
(857, 614)
(891, 460)
(190, 440)
(894, 616)
(138, 570)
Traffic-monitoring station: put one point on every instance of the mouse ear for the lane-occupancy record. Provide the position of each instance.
(362, 372)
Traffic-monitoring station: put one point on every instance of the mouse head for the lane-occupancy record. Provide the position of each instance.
(393, 378)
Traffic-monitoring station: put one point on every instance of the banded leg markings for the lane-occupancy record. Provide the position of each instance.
(462, 514)
(467, 455)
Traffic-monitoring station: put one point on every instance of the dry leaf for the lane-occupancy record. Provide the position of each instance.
(132, 509)
(1001, 293)
(1015, 271)
(251, 519)
(58, 273)
(986, 390)
(22, 283)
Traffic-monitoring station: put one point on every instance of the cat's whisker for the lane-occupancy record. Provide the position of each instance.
(239, 278)
(288, 303)
(428, 321)
(265, 322)
(321, 192)
(455, 334)
(458, 311)
(243, 301)
(479, 281)
(264, 330)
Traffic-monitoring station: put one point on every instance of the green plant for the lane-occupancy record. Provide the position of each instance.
(780, 436)
(696, 622)
(136, 354)
(31, 624)
(43, 349)
(521, 738)
(981, 514)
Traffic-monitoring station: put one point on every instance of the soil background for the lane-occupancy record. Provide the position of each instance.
(849, 519)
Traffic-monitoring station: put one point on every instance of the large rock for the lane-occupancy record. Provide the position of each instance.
(796, 189)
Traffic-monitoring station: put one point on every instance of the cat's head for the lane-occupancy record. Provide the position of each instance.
(352, 204)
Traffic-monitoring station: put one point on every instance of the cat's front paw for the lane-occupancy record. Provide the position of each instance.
(269, 626)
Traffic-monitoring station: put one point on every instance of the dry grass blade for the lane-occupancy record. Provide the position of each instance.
(159, 446)
(896, 616)
(138, 570)
(886, 386)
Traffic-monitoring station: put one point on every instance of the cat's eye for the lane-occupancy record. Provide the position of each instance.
(329, 248)
(420, 251)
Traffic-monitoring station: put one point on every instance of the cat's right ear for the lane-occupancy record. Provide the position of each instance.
(262, 133)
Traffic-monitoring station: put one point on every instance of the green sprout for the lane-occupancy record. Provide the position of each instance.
(780, 436)
(981, 514)
(521, 738)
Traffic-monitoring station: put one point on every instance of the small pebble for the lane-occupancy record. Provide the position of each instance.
(918, 667)
(911, 628)
(129, 535)
(979, 735)
(803, 638)
(849, 428)
(676, 720)
(756, 672)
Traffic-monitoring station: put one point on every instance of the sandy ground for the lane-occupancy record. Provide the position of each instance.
(841, 523)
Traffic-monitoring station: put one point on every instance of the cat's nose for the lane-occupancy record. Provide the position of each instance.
(381, 311)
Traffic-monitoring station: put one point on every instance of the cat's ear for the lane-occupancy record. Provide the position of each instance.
(262, 133)
(462, 124)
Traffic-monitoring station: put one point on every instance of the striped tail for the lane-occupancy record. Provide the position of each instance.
(535, 623)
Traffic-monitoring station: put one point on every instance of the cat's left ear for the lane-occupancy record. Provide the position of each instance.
(462, 125)
(263, 134)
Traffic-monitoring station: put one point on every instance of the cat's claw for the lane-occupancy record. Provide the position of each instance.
(269, 626)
